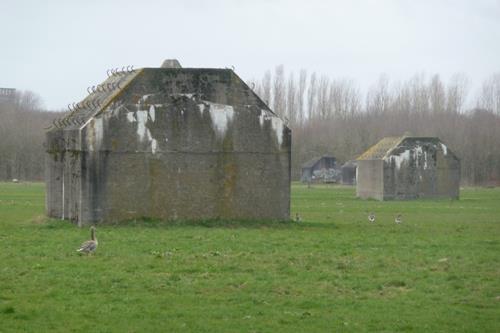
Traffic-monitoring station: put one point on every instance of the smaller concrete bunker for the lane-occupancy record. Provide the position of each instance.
(400, 168)
(169, 143)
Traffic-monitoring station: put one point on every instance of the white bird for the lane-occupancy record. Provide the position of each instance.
(90, 245)
(398, 219)
(371, 218)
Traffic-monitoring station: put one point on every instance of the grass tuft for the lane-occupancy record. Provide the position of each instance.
(8, 310)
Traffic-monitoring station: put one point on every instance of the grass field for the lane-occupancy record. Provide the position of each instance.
(334, 272)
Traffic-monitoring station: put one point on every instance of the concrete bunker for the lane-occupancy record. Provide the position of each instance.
(169, 143)
(408, 168)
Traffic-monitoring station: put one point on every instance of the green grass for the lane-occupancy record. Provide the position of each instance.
(437, 272)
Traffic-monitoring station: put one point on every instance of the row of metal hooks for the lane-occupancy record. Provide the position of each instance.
(86, 104)
(117, 72)
(104, 87)
(92, 103)
(66, 122)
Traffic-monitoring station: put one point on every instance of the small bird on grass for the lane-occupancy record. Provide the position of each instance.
(90, 245)
(297, 218)
(371, 217)
(398, 219)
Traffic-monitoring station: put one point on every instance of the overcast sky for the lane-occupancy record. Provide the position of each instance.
(59, 48)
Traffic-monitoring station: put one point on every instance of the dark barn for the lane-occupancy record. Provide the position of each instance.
(320, 169)
(348, 171)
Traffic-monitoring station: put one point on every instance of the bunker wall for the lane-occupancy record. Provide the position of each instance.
(370, 179)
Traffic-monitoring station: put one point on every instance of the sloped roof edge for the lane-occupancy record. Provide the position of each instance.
(384, 148)
(113, 96)
(99, 99)
(381, 148)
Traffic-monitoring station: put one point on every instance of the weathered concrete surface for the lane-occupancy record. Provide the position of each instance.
(412, 168)
(172, 144)
(370, 179)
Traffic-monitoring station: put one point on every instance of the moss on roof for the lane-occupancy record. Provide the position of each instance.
(381, 148)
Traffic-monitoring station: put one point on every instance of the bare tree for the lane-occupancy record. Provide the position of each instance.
(300, 96)
(437, 95)
(279, 99)
(457, 93)
(378, 98)
(266, 87)
(344, 98)
(21, 137)
(291, 101)
(311, 97)
(489, 98)
(323, 104)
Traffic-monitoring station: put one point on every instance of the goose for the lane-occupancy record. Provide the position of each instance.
(90, 245)
(297, 218)
(398, 219)
(371, 217)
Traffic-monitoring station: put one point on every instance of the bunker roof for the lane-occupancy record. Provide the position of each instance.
(386, 146)
(380, 149)
(156, 80)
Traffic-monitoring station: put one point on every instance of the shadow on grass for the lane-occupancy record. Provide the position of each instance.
(223, 224)
(207, 223)
(49, 223)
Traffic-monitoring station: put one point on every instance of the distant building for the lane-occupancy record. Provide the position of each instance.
(320, 169)
(408, 168)
(7, 95)
(348, 171)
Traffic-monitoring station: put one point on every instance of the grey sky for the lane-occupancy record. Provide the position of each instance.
(59, 48)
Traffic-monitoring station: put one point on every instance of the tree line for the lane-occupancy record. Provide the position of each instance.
(326, 115)
(332, 116)
(22, 136)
